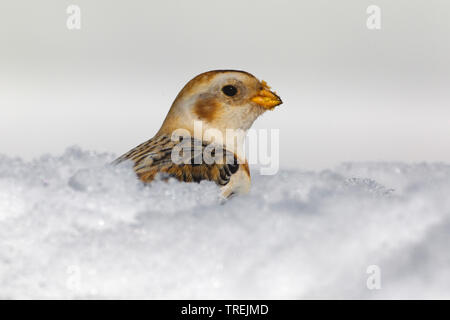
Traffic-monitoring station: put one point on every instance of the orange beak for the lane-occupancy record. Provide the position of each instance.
(266, 98)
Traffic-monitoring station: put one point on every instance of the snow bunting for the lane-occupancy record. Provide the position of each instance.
(220, 101)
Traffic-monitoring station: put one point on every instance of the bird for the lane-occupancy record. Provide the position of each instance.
(218, 101)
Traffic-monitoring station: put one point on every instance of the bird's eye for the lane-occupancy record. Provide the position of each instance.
(229, 90)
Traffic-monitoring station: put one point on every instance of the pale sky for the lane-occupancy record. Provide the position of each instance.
(350, 93)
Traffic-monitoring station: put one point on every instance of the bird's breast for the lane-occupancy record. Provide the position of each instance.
(240, 182)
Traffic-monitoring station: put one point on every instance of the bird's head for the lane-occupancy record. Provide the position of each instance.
(221, 99)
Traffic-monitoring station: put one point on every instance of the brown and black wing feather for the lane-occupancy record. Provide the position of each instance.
(155, 157)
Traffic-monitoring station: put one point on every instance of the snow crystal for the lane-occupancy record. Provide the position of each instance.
(72, 226)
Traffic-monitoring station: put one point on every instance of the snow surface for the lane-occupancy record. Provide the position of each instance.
(73, 227)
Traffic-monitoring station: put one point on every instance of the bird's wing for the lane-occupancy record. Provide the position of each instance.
(155, 157)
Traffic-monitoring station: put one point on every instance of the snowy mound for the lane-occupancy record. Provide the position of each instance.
(74, 227)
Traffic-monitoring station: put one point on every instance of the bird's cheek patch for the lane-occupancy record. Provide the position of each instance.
(207, 109)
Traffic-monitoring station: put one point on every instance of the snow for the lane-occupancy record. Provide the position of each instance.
(72, 226)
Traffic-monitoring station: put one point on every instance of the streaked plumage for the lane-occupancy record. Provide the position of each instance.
(222, 99)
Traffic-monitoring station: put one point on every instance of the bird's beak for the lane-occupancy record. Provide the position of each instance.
(266, 98)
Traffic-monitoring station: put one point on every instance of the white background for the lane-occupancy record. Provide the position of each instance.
(349, 93)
